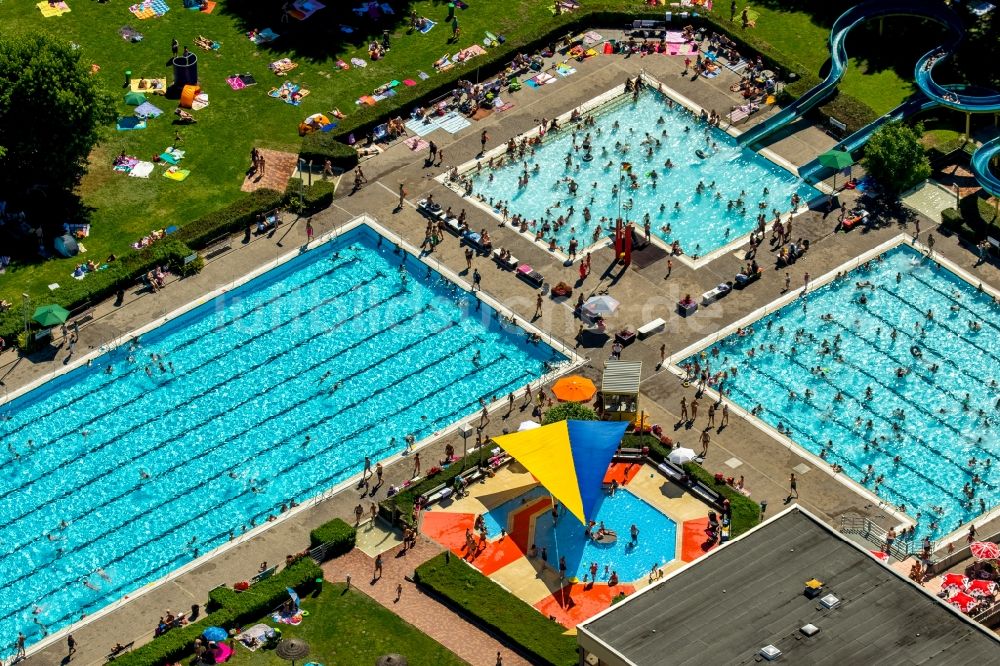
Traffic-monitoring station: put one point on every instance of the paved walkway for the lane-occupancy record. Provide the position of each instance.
(278, 168)
(426, 614)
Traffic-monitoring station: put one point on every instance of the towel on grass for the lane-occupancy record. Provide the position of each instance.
(289, 93)
(57, 9)
(282, 67)
(141, 170)
(264, 36)
(358, 62)
(152, 87)
(209, 7)
(427, 26)
(149, 8)
(130, 123)
(148, 110)
(172, 155)
(236, 83)
(423, 76)
(173, 173)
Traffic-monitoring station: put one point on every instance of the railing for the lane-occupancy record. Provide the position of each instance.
(989, 617)
(876, 534)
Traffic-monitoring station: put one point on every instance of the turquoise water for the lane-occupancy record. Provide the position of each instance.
(271, 393)
(939, 415)
(656, 542)
(703, 222)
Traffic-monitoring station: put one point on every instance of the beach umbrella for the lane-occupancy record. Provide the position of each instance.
(215, 634)
(574, 389)
(391, 660)
(953, 581)
(681, 455)
(528, 425)
(600, 306)
(981, 588)
(837, 160)
(51, 315)
(964, 602)
(985, 550)
(134, 98)
(292, 649)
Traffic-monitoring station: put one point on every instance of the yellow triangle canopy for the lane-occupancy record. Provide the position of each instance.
(569, 458)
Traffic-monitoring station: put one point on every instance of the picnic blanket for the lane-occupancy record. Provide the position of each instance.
(358, 62)
(282, 67)
(541, 79)
(255, 636)
(562, 69)
(125, 164)
(172, 155)
(173, 173)
(289, 93)
(419, 127)
(453, 122)
(303, 9)
(470, 52)
(153, 86)
(264, 36)
(148, 9)
(423, 76)
(428, 24)
(241, 81)
(415, 143)
(141, 170)
(129, 34)
(500, 105)
(130, 123)
(207, 44)
(590, 38)
(57, 9)
(148, 110)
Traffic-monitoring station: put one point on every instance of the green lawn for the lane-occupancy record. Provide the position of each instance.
(125, 209)
(347, 627)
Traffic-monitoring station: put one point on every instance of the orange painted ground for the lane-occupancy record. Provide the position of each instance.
(623, 472)
(693, 539)
(448, 529)
(578, 602)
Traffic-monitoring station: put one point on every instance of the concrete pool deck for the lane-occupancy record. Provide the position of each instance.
(741, 449)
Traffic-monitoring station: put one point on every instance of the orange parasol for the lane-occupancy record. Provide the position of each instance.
(574, 389)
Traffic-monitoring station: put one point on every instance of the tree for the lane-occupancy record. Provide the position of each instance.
(895, 158)
(51, 109)
(569, 411)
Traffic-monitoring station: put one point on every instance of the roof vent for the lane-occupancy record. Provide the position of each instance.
(809, 629)
(829, 601)
(814, 588)
(770, 652)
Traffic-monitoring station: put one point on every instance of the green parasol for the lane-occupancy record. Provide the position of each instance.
(837, 160)
(134, 98)
(51, 315)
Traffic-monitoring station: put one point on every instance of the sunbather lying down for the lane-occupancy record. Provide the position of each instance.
(185, 117)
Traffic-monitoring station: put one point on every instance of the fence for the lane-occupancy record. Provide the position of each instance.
(876, 534)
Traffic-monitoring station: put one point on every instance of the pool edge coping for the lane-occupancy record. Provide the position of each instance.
(594, 104)
(574, 361)
(784, 300)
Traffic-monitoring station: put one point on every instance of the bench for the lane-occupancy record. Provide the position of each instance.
(451, 224)
(264, 575)
(117, 653)
(712, 295)
(836, 128)
(670, 471)
(650, 328)
(742, 280)
(435, 212)
(994, 242)
(530, 275)
(83, 317)
(509, 265)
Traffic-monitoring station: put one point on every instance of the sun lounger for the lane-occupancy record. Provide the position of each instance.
(511, 263)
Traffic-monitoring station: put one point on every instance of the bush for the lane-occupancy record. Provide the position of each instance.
(400, 506)
(337, 533)
(951, 219)
(894, 156)
(314, 199)
(232, 610)
(234, 217)
(470, 592)
(321, 146)
(566, 411)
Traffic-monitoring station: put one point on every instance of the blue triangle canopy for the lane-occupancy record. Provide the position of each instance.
(593, 444)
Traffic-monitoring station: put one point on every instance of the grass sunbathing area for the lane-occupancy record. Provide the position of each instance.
(347, 627)
(216, 149)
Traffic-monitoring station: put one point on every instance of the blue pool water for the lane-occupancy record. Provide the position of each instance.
(934, 421)
(632, 561)
(341, 345)
(704, 221)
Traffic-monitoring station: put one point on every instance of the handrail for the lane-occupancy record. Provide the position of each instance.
(875, 534)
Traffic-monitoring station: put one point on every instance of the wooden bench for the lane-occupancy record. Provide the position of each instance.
(650, 328)
(84, 317)
(836, 128)
(451, 224)
(712, 295)
(530, 275)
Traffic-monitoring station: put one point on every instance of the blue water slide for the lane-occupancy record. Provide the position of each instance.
(981, 166)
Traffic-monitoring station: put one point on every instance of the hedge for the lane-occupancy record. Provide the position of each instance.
(452, 580)
(400, 505)
(234, 217)
(338, 533)
(231, 609)
(314, 198)
(321, 146)
(746, 512)
(120, 274)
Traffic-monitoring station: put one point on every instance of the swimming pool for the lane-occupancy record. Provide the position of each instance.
(649, 132)
(271, 393)
(657, 540)
(933, 400)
